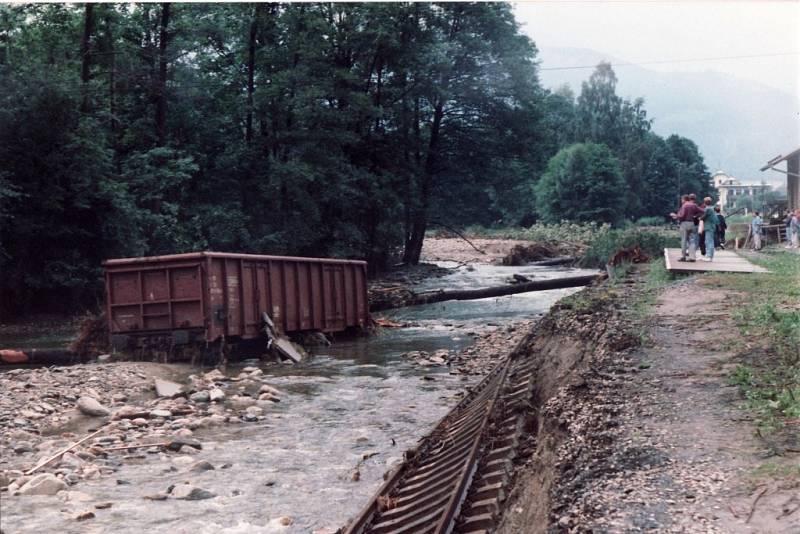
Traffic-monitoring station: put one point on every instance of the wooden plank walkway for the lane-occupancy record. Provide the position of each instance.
(724, 261)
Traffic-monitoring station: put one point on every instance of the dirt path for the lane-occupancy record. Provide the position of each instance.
(704, 476)
(651, 439)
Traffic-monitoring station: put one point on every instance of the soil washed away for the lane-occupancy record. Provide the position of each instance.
(313, 460)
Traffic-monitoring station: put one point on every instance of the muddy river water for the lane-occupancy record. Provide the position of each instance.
(358, 398)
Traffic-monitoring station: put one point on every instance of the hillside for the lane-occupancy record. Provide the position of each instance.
(738, 124)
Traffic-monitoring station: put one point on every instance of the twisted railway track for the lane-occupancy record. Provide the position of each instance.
(456, 480)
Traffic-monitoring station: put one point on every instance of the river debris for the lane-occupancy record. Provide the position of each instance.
(545, 250)
(410, 298)
(383, 322)
(480, 357)
(92, 337)
(393, 288)
(129, 407)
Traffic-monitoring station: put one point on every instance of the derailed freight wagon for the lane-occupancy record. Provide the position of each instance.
(199, 303)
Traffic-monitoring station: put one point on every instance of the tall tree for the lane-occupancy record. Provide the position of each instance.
(86, 58)
(341, 129)
(583, 183)
(161, 80)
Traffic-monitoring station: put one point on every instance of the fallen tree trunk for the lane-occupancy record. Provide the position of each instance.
(562, 260)
(497, 291)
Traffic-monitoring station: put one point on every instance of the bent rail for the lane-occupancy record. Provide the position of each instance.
(457, 478)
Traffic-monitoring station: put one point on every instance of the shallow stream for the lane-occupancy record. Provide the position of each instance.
(356, 397)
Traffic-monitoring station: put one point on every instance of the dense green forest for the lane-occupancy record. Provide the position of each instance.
(311, 129)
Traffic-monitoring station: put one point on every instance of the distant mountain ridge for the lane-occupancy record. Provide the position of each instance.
(738, 124)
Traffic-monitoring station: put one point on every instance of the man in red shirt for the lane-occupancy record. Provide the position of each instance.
(685, 216)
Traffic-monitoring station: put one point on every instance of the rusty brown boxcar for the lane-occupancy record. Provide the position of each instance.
(205, 297)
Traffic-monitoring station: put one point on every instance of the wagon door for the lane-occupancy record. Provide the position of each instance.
(256, 296)
(333, 292)
(250, 317)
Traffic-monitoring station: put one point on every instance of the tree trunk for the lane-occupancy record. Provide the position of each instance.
(161, 91)
(496, 291)
(378, 87)
(413, 248)
(251, 69)
(412, 179)
(112, 80)
(86, 61)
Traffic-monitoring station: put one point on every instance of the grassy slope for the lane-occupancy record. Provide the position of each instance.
(767, 313)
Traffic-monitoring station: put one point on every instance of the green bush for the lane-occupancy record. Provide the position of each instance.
(605, 245)
(565, 231)
(650, 221)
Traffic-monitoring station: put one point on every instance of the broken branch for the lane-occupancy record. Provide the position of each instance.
(63, 452)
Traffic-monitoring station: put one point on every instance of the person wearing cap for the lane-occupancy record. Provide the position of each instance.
(686, 218)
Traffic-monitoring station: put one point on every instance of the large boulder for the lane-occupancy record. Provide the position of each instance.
(90, 406)
(44, 484)
(165, 388)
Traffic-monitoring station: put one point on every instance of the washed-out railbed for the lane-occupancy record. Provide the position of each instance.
(353, 409)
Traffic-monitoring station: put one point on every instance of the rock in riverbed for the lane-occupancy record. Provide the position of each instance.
(83, 516)
(165, 388)
(202, 465)
(183, 441)
(265, 388)
(187, 492)
(44, 484)
(200, 396)
(89, 406)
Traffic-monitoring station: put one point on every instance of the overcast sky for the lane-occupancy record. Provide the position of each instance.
(644, 31)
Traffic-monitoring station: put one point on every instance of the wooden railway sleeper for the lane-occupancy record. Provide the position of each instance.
(486, 506)
(399, 517)
(414, 526)
(439, 462)
(489, 491)
(436, 464)
(420, 487)
(480, 521)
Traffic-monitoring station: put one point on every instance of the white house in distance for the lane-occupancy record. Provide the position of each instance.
(729, 189)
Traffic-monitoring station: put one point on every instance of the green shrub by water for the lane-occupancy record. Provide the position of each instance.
(565, 231)
(650, 221)
(605, 245)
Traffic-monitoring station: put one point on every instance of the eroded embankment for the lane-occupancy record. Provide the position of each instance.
(580, 348)
(639, 425)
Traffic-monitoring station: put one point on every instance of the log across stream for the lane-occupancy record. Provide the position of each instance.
(497, 291)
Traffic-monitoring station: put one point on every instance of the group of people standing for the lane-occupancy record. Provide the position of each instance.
(792, 221)
(703, 224)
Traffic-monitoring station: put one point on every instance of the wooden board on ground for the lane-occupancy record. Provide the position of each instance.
(724, 261)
